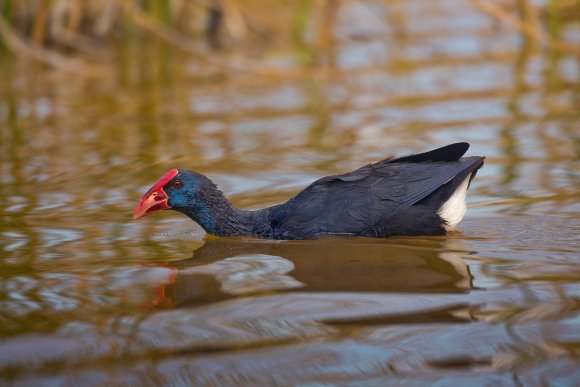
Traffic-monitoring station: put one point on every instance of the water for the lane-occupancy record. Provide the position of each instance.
(88, 296)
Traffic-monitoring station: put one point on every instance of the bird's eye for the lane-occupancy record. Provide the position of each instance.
(177, 184)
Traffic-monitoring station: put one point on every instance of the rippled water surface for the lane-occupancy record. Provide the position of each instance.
(90, 297)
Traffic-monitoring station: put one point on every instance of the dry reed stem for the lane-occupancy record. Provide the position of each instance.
(66, 21)
(234, 20)
(529, 28)
(17, 45)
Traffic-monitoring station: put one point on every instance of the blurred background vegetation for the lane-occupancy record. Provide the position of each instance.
(271, 37)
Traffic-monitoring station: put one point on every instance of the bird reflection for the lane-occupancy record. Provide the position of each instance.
(225, 268)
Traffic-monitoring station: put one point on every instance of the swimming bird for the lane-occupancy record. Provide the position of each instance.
(420, 194)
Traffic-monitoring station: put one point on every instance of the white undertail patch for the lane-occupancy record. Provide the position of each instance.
(453, 210)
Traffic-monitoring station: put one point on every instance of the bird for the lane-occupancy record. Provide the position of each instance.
(416, 195)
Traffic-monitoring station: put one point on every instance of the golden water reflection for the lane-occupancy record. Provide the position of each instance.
(88, 296)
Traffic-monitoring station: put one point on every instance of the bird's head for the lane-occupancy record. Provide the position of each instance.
(177, 190)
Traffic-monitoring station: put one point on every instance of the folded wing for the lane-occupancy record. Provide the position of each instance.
(369, 196)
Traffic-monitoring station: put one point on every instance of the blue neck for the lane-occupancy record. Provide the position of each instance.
(217, 216)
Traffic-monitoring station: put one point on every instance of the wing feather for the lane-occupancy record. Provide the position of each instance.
(363, 198)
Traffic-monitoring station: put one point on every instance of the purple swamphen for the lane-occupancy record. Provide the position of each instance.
(421, 194)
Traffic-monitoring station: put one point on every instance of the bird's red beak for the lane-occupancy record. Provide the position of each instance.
(155, 199)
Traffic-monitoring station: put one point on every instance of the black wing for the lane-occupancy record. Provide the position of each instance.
(359, 200)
